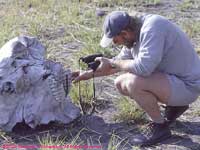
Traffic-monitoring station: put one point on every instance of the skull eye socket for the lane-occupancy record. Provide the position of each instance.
(25, 70)
(7, 87)
(45, 76)
(14, 64)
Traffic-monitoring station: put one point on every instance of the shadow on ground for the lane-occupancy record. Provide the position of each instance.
(93, 130)
(186, 134)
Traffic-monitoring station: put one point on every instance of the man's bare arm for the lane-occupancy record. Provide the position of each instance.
(123, 65)
(89, 74)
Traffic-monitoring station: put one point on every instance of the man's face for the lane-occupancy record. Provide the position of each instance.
(125, 38)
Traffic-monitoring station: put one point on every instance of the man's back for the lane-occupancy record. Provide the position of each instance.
(165, 48)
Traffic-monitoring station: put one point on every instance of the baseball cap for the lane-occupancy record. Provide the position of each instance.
(114, 23)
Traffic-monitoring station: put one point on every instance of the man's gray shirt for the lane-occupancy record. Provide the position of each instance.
(163, 47)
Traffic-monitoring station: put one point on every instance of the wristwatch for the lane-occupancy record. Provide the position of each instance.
(113, 65)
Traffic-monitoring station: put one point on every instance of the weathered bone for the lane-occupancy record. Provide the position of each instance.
(32, 88)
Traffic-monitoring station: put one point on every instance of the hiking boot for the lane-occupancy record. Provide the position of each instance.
(155, 133)
(171, 113)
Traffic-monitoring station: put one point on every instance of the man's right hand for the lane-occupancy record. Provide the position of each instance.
(105, 64)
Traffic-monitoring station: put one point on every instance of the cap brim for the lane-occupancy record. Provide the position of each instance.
(105, 41)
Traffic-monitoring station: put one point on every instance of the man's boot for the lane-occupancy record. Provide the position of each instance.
(171, 113)
(155, 133)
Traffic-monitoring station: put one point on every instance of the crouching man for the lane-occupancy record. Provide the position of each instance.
(159, 65)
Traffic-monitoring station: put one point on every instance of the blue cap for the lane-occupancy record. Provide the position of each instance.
(114, 23)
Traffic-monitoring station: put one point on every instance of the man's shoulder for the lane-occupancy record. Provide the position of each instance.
(153, 17)
(153, 22)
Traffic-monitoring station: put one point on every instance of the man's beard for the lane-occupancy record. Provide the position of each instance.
(128, 43)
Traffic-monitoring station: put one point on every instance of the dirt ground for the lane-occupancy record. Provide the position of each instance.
(100, 127)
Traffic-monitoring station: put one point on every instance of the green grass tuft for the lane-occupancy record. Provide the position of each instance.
(86, 92)
(61, 142)
(191, 27)
(128, 111)
(189, 4)
(117, 143)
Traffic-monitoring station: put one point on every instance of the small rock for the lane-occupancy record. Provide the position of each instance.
(100, 13)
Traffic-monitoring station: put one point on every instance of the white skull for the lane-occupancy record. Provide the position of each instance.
(32, 88)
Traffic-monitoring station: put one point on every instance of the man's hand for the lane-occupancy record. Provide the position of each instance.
(105, 64)
(82, 76)
(75, 75)
(105, 68)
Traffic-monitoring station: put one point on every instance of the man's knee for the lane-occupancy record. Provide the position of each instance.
(134, 84)
(128, 83)
(119, 82)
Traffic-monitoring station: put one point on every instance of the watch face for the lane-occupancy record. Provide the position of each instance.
(113, 64)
